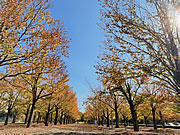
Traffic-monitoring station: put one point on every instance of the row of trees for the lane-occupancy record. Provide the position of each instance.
(59, 106)
(128, 105)
(33, 73)
(140, 64)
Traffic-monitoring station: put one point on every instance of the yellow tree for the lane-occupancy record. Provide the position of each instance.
(39, 80)
(32, 42)
(26, 30)
(144, 111)
(125, 112)
(146, 34)
(69, 106)
(53, 45)
(104, 101)
(11, 96)
(94, 105)
(57, 84)
(169, 110)
(111, 99)
(116, 76)
(61, 87)
(156, 95)
(89, 114)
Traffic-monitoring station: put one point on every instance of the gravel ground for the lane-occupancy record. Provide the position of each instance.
(79, 129)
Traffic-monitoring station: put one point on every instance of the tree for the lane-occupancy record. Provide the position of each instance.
(51, 103)
(89, 113)
(169, 110)
(94, 111)
(156, 95)
(116, 77)
(133, 100)
(102, 101)
(39, 81)
(68, 106)
(63, 102)
(58, 96)
(144, 110)
(26, 30)
(32, 43)
(39, 88)
(10, 97)
(125, 112)
(145, 34)
(41, 65)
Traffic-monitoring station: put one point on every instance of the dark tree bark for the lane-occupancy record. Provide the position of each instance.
(102, 120)
(51, 117)
(47, 116)
(7, 116)
(34, 117)
(14, 117)
(134, 117)
(39, 117)
(99, 121)
(116, 114)
(64, 120)
(56, 116)
(162, 120)
(61, 118)
(67, 119)
(128, 97)
(31, 113)
(124, 120)
(145, 121)
(108, 121)
(26, 115)
(154, 118)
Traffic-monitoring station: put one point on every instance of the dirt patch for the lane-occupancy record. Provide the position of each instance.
(79, 129)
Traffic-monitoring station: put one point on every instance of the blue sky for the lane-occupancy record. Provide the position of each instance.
(80, 18)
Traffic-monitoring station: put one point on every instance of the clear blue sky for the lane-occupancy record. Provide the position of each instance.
(80, 18)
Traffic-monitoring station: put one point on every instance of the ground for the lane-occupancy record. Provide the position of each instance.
(79, 129)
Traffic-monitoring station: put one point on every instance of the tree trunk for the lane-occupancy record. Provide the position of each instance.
(102, 120)
(99, 121)
(47, 116)
(14, 118)
(31, 114)
(51, 117)
(145, 121)
(39, 117)
(56, 116)
(67, 120)
(162, 121)
(111, 119)
(124, 120)
(134, 117)
(34, 117)
(7, 116)
(107, 117)
(64, 120)
(116, 115)
(26, 115)
(61, 118)
(46, 119)
(127, 121)
(154, 118)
